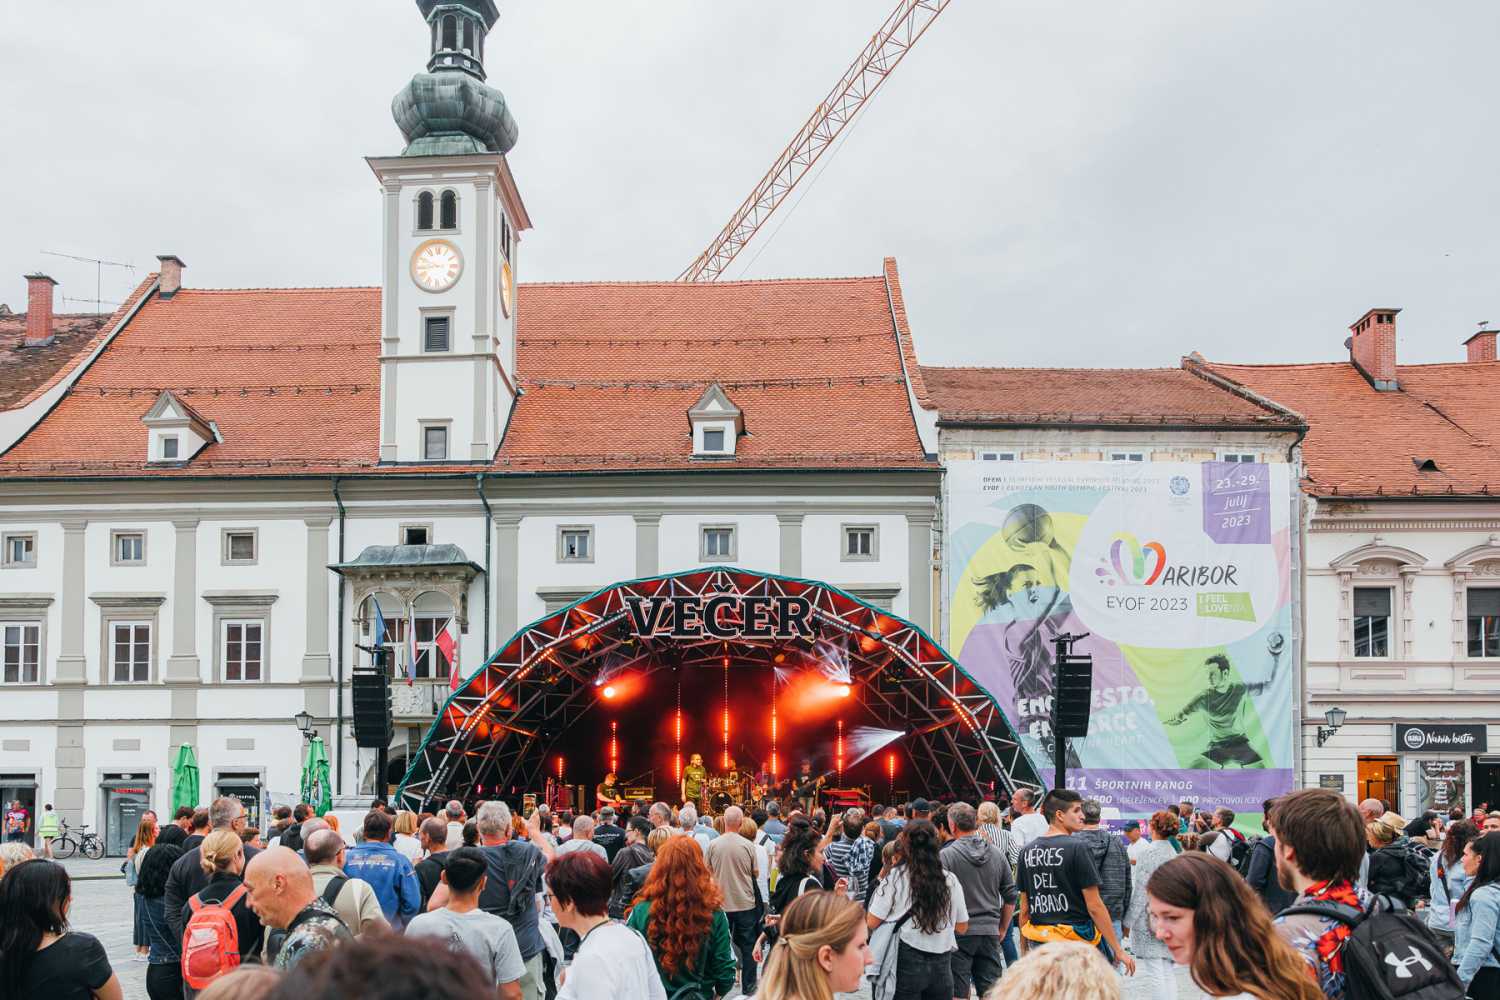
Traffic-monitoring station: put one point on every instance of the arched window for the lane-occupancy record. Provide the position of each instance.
(424, 210)
(468, 37)
(450, 210)
(450, 32)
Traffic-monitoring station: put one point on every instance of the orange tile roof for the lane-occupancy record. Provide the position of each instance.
(291, 379)
(1364, 443)
(1096, 397)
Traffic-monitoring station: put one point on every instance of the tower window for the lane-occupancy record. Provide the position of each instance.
(468, 36)
(424, 210)
(449, 215)
(450, 32)
(435, 337)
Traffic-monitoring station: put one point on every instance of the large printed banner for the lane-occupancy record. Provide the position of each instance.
(1180, 574)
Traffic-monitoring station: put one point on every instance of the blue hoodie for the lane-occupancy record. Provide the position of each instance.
(391, 875)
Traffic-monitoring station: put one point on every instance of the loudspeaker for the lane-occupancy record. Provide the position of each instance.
(372, 709)
(1074, 695)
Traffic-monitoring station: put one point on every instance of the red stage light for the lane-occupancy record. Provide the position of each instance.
(609, 691)
(843, 690)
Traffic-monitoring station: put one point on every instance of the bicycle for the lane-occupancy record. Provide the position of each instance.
(86, 842)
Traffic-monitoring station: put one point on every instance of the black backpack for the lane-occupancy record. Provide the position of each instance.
(1240, 848)
(1390, 954)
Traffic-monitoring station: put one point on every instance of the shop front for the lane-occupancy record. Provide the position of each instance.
(1449, 764)
(20, 787)
(247, 786)
(126, 796)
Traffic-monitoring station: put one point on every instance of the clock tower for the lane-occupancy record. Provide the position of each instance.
(452, 222)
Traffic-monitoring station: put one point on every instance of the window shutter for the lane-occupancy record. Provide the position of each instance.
(1372, 602)
(435, 334)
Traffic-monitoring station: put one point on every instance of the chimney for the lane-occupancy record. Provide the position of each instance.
(171, 275)
(1372, 348)
(1482, 345)
(38, 310)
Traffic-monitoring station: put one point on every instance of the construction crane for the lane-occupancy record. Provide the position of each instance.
(884, 52)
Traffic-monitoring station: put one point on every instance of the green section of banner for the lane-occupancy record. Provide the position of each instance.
(1202, 723)
(1235, 605)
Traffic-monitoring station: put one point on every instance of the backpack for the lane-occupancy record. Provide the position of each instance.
(1417, 881)
(333, 888)
(1390, 954)
(1240, 850)
(211, 940)
(507, 866)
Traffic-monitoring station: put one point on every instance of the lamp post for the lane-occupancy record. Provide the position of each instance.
(1335, 718)
(304, 723)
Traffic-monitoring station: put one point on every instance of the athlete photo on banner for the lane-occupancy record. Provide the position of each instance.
(1179, 574)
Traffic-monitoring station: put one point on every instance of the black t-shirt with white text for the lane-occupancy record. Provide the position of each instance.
(1053, 873)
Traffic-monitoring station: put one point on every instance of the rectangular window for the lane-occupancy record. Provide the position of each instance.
(169, 446)
(1372, 621)
(1127, 456)
(416, 534)
(718, 543)
(859, 542)
(239, 547)
(435, 334)
(575, 545)
(713, 440)
(1484, 621)
(20, 550)
(243, 650)
(129, 548)
(427, 629)
(1239, 457)
(997, 456)
(435, 443)
(20, 652)
(130, 659)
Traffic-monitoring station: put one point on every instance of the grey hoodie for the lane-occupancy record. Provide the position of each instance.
(987, 880)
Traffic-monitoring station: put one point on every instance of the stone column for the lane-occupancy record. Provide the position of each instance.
(390, 332)
(919, 570)
(316, 661)
(182, 666)
(71, 663)
(791, 544)
(507, 574)
(647, 545)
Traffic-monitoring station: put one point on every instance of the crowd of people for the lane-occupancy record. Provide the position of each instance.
(1034, 901)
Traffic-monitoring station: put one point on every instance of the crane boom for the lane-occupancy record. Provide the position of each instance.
(884, 52)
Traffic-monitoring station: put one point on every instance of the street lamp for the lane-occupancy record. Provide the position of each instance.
(304, 723)
(1335, 718)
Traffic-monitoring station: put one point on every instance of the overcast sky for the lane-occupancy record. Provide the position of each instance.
(1092, 183)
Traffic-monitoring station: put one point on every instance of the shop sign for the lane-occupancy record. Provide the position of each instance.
(1332, 782)
(1423, 737)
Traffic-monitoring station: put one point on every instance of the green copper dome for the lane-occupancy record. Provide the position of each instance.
(449, 110)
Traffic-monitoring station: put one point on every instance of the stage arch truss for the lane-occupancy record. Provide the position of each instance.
(500, 728)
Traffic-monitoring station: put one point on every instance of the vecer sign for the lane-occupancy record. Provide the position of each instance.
(1422, 736)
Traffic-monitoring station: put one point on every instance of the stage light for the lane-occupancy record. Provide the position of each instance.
(614, 747)
(843, 690)
(559, 768)
(609, 691)
(839, 754)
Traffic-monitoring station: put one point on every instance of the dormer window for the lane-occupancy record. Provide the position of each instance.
(716, 424)
(175, 431)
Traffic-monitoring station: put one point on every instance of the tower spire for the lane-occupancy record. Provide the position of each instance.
(449, 110)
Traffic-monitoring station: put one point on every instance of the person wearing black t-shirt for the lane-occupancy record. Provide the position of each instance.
(1059, 885)
(608, 833)
(434, 834)
(39, 955)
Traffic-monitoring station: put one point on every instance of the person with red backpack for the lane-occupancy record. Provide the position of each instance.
(219, 928)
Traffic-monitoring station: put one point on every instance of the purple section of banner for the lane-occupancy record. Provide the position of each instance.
(1237, 502)
(1138, 792)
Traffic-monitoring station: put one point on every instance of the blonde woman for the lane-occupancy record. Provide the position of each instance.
(405, 838)
(1062, 970)
(222, 855)
(823, 949)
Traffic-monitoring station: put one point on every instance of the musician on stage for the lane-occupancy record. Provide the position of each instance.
(764, 783)
(806, 787)
(694, 777)
(608, 793)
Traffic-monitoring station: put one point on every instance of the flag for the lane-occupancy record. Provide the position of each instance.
(411, 651)
(379, 625)
(450, 653)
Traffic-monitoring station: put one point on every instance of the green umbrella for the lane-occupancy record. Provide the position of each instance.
(317, 786)
(185, 779)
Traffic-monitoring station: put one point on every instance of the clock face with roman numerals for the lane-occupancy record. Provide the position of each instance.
(507, 288)
(436, 265)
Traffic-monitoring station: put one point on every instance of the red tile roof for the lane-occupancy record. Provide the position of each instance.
(291, 379)
(30, 371)
(1365, 443)
(1096, 397)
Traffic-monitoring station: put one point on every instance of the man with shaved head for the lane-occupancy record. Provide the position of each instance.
(280, 891)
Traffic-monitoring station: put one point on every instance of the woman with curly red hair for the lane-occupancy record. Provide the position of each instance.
(681, 912)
